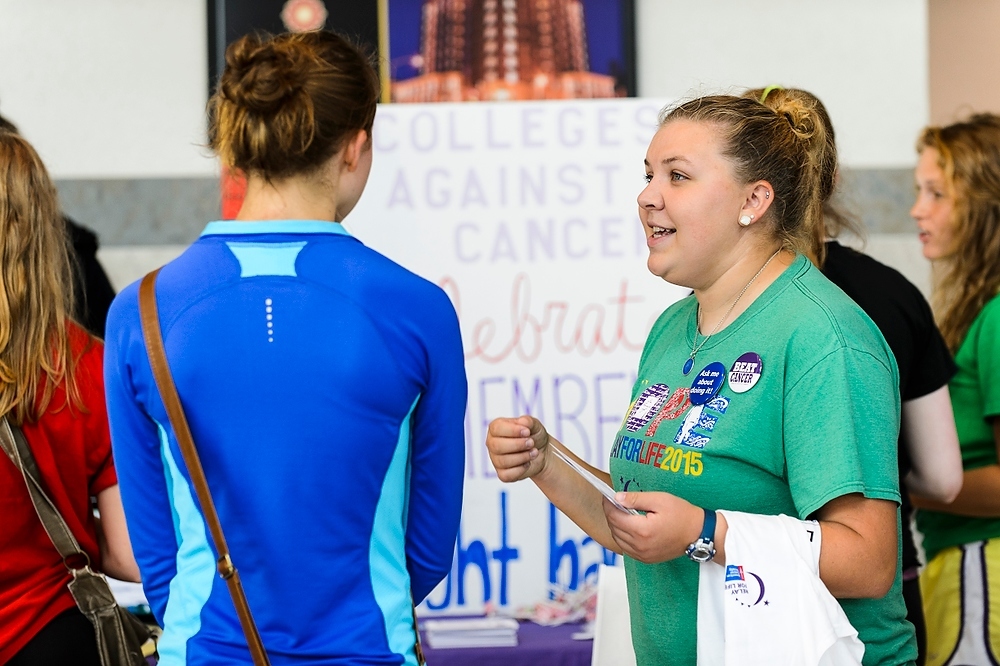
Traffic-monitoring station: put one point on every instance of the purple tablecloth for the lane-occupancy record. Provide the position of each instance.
(537, 646)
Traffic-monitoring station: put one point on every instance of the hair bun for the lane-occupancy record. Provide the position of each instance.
(800, 114)
(261, 77)
(286, 104)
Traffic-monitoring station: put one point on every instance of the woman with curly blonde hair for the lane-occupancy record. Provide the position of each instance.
(52, 387)
(958, 213)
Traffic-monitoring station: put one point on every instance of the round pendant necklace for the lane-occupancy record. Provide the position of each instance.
(689, 363)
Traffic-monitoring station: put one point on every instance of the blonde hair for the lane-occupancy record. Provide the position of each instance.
(36, 294)
(770, 143)
(969, 156)
(823, 148)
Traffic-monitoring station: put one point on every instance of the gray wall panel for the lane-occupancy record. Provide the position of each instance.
(172, 211)
(148, 211)
(882, 198)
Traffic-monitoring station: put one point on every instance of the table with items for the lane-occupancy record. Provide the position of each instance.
(536, 646)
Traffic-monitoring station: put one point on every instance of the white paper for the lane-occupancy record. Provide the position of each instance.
(471, 632)
(127, 594)
(471, 624)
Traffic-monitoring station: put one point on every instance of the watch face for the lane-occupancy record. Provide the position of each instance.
(701, 551)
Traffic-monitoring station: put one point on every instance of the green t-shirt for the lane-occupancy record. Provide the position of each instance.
(806, 409)
(975, 398)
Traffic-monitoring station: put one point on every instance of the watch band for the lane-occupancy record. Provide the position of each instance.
(708, 527)
(703, 549)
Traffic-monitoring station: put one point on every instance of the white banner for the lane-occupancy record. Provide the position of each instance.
(526, 214)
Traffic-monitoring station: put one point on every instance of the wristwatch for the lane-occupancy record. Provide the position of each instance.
(703, 549)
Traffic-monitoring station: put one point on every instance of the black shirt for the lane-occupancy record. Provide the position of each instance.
(91, 288)
(902, 314)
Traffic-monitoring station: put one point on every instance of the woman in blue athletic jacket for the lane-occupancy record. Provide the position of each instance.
(323, 383)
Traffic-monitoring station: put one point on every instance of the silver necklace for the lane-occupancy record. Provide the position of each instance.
(689, 363)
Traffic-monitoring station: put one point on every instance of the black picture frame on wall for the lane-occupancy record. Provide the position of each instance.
(228, 20)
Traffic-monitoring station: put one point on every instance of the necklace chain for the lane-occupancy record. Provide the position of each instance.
(697, 347)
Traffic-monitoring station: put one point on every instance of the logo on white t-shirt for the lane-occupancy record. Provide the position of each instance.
(744, 587)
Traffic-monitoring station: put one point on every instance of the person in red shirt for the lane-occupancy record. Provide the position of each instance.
(52, 386)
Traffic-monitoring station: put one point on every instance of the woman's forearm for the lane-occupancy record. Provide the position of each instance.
(575, 497)
(980, 493)
(979, 496)
(117, 559)
(928, 429)
(599, 473)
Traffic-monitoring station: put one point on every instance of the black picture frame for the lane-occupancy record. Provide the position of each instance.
(228, 20)
(628, 46)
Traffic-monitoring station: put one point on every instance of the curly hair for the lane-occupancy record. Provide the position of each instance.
(969, 156)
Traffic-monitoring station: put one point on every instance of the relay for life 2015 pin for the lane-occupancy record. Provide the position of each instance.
(745, 372)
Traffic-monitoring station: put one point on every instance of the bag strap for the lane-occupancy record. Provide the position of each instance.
(16, 447)
(172, 402)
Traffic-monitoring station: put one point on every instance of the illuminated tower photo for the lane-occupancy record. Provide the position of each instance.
(502, 49)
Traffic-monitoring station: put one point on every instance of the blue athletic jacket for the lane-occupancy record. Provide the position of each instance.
(325, 389)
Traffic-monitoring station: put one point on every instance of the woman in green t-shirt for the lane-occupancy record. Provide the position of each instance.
(805, 426)
(958, 213)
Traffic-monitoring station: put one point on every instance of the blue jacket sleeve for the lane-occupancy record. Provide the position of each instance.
(438, 456)
(135, 439)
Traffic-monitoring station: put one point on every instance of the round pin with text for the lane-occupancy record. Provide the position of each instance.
(745, 372)
(707, 383)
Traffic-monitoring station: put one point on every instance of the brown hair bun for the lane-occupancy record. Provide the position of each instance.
(262, 76)
(286, 104)
(811, 122)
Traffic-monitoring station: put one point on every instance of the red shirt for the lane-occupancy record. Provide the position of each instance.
(73, 451)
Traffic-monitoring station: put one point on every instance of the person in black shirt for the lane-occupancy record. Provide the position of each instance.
(930, 464)
(92, 290)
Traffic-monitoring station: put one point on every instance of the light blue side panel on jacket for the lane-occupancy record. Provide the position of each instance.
(191, 586)
(387, 556)
(266, 258)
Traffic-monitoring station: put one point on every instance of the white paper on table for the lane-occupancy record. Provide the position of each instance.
(127, 594)
(472, 624)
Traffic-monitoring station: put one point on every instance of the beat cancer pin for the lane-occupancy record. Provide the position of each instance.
(745, 372)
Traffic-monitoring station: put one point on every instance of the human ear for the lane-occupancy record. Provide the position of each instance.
(354, 148)
(758, 200)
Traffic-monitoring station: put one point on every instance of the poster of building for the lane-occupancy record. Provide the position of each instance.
(496, 50)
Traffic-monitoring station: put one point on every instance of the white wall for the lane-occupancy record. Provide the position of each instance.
(117, 88)
(108, 88)
(866, 60)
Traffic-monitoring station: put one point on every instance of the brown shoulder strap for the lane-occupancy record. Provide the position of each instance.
(168, 393)
(16, 447)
